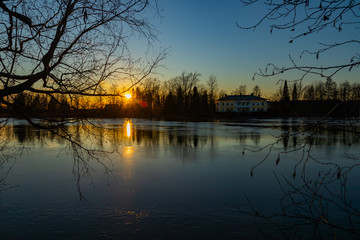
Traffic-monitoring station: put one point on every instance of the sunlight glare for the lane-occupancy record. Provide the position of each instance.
(128, 129)
(128, 95)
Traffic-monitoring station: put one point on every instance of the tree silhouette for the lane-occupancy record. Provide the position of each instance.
(294, 93)
(345, 91)
(331, 89)
(212, 86)
(309, 92)
(70, 47)
(204, 103)
(304, 18)
(195, 102)
(241, 90)
(169, 104)
(256, 90)
(285, 93)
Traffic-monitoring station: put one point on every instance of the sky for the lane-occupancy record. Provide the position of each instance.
(202, 36)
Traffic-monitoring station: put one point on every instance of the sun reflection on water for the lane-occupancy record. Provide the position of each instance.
(128, 128)
(127, 163)
(128, 151)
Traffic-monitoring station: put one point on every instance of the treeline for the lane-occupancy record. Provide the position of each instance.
(328, 90)
(318, 99)
(186, 96)
(183, 95)
(37, 105)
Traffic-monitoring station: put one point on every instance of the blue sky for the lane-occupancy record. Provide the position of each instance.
(202, 37)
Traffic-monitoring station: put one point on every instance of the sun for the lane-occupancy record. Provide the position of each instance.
(128, 95)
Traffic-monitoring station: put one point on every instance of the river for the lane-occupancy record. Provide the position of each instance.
(143, 179)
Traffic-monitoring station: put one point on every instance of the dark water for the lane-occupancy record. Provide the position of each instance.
(181, 180)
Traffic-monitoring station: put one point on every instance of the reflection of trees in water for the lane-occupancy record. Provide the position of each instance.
(28, 134)
(8, 154)
(196, 140)
(115, 135)
(316, 202)
(7, 162)
(20, 132)
(254, 136)
(149, 137)
(153, 136)
(184, 140)
(318, 207)
(285, 127)
(72, 138)
(291, 136)
(294, 133)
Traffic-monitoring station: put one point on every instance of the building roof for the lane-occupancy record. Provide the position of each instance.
(241, 97)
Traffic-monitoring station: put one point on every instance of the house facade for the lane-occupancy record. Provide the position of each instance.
(241, 103)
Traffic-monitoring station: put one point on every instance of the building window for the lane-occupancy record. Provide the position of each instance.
(227, 104)
(262, 103)
(222, 104)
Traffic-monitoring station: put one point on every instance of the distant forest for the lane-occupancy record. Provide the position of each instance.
(185, 96)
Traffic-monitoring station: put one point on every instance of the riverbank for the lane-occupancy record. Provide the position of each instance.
(299, 109)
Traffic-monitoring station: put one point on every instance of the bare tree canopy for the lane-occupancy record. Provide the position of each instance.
(256, 90)
(304, 18)
(185, 82)
(71, 46)
(241, 90)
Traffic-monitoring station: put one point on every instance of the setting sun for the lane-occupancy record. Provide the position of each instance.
(128, 95)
